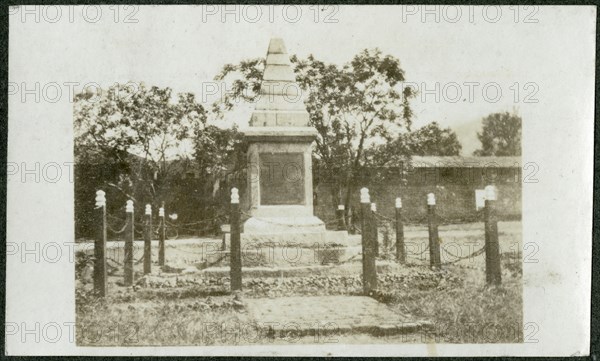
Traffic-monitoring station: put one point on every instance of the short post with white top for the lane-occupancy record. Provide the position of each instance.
(161, 236)
(128, 248)
(236, 247)
(400, 250)
(368, 250)
(341, 224)
(100, 278)
(493, 273)
(434, 243)
(148, 239)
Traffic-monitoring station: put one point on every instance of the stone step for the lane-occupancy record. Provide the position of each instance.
(330, 316)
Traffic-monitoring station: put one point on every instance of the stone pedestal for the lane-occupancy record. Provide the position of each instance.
(280, 193)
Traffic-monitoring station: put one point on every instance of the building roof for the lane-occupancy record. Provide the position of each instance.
(465, 162)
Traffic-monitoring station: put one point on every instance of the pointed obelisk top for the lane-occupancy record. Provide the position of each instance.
(276, 46)
(280, 102)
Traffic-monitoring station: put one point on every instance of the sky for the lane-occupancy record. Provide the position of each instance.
(467, 62)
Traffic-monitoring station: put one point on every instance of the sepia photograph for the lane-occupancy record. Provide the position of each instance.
(307, 175)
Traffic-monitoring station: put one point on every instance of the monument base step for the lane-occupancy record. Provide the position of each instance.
(287, 239)
(310, 240)
(284, 224)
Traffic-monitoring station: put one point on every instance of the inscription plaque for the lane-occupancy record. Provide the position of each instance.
(281, 178)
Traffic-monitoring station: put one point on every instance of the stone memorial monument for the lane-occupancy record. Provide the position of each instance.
(279, 191)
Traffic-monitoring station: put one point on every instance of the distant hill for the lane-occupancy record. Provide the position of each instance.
(467, 135)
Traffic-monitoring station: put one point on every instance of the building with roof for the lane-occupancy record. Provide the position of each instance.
(453, 180)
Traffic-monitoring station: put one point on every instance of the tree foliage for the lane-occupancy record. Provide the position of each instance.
(432, 140)
(501, 135)
(216, 148)
(218, 153)
(429, 140)
(126, 123)
(245, 80)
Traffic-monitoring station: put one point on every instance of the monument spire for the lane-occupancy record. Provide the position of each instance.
(280, 102)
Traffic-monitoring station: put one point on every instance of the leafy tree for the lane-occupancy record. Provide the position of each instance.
(245, 79)
(205, 191)
(350, 106)
(218, 151)
(430, 140)
(392, 159)
(501, 135)
(140, 130)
